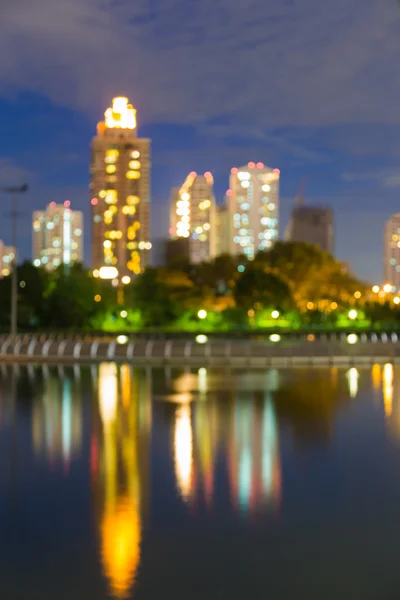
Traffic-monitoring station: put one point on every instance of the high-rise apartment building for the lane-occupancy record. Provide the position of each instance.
(391, 265)
(311, 224)
(193, 216)
(253, 206)
(7, 255)
(223, 230)
(120, 192)
(57, 236)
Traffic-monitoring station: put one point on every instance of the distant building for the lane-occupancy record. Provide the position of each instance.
(193, 216)
(253, 207)
(120, 192)
(57, 236)
(391, 244)
(223, 230)
(177, 249)
(7, 255)
(312, 224)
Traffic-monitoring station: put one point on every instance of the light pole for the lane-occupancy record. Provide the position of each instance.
(14, 191)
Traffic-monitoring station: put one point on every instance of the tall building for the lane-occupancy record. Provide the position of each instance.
(253, 206)
(391, 265)
(223, 229)
(120, 192)
(312, 224)
(193, 216)
(57, 236)
(7, 255)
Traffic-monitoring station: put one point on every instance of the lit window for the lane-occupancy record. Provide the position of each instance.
(245, 184)
(78, 232)
(111, 169)
(50, 225)
(132, 200)
(132, 175)
(135, 154)
(102, 193)
(271, 206)
(97, 218)
(111, 156)
(134, 164)
(266, 187)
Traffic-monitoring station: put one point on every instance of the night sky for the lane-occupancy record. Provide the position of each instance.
(309, 86)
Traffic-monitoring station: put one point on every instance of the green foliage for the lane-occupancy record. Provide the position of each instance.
(258, 288)
(286, 278)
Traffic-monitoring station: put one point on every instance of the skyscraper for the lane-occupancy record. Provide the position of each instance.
(57, 236)
(223, 229)
(312, 224)
(193, 216)
(391, 265)
(253, 206)
(7, 254)
(120, 192)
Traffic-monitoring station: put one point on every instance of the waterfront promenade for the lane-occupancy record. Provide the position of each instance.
(255, 351)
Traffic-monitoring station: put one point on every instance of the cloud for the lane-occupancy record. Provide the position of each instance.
(13, 174)
(265, 63)
(389, 178)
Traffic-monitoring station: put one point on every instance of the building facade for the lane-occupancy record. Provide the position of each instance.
(391, 244)
(120, 193)
(7, 255)
(57, 236)
(193, 216)
(223, 229)
(312, 224)
(253, 207)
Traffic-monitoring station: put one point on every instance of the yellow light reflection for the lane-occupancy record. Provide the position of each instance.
(183, 450)
(352, 377)
(388, 389)
(376, 377)
(121, 535)
(108, 392)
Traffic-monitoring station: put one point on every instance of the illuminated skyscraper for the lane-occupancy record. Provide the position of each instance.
(193, 216)
(120, 192)
(7, 254)
(57, 236)
(223, 229)
(391, 266)
(253, 206)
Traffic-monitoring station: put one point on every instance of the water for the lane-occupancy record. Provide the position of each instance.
(126, 483)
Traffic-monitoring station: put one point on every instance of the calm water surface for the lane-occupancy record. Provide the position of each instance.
(118, 482)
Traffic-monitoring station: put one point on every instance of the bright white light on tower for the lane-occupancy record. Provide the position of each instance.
(245, 184)
(266, 187)
(243, 176)
(185, 196)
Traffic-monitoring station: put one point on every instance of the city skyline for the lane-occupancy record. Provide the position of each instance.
(348, 146)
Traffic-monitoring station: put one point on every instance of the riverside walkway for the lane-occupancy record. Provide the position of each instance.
(200, 349)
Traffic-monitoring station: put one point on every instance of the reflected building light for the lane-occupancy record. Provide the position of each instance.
(126, 385)
(183, 451)
(388, 389)
(376, 377)
(352, 378)
(66, 421)
(108, 392)
(271, 471)
(243, 430)
(202, 382)
(121, 536)
(245, 466)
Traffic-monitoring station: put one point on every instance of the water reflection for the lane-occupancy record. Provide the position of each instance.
(57, 419)
(119, 462)
(219, 442)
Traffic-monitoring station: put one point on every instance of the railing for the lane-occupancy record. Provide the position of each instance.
(290, 349)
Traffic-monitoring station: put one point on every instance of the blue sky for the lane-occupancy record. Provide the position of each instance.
(310, 87)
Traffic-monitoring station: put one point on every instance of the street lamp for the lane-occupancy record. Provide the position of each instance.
(14, 191)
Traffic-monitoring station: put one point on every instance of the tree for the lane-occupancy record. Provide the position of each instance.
(257, 287)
